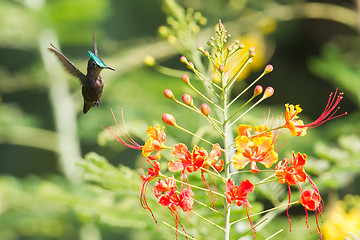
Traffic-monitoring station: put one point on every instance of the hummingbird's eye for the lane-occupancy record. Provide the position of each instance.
(93, 64)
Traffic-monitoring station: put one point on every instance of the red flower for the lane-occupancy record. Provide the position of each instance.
(239, 193)
(311, 200)
(154, 143)
(190, 162)
(152, 174)
(295, 172)
(213, 159)
(185, 199)
(167, 185)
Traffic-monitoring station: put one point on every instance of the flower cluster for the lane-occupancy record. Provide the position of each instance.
(224, 160)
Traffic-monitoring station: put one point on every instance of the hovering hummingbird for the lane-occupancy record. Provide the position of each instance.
(92, 83)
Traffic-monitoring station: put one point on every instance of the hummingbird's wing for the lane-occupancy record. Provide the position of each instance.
(68, 64)
(95, 48)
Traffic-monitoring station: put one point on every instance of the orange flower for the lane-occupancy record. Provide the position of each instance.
(291, 121)
(254, 149)
(190, 162)
(295, 172)
(298, 128)
(154, 143)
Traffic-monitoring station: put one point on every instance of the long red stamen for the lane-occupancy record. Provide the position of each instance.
(124, 138)
(287, 210)
(329, 111)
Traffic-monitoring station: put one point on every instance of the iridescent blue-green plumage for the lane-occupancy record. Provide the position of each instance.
(97, 59)
(92, 84)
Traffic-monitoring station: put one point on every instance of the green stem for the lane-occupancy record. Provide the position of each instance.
(206, 98)
(247, 88)
(255, 104)
(207, 220)
(177, 230)
(265, 211)
(241, 108)
(212, 209)
(193, 134)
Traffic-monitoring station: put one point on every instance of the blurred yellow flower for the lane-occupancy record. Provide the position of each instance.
(343, 218)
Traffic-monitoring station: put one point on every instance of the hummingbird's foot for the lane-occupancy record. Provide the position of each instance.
(95, 104)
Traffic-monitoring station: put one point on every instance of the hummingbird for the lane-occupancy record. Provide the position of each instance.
(92, 83)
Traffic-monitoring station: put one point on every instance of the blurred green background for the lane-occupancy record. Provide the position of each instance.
(45, 168)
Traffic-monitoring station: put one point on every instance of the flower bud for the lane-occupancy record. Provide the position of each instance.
(206, 53)
(187, 99)
(183, 59)
(211, 43)
(221, 68)
(168, 119)
(268, 68)
(168, 94)
(252, 54)
(241, 46)
(200, 48)
(149, 61)
(185, 78)
(258, 90)
(205, 109)
(190, 65)
(269, 91)
(237, 42)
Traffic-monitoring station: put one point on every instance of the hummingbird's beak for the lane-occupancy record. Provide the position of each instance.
(110, 68)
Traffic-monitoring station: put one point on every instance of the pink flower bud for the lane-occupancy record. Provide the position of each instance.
(252, 54)
(190, 65)
(200, 48)
(183, 59)
(168, 119)
(185, 78)
(187, 99)
(206, 53)
(211, 43)
(241, 46)
(258, 90)
(168, 93)
(205, 109)
(221, 68)
(268, 68)
(269, 91)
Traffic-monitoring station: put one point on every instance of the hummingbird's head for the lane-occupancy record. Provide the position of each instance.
(96, 64)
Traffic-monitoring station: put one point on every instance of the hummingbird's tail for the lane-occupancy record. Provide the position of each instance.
(86, 108)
